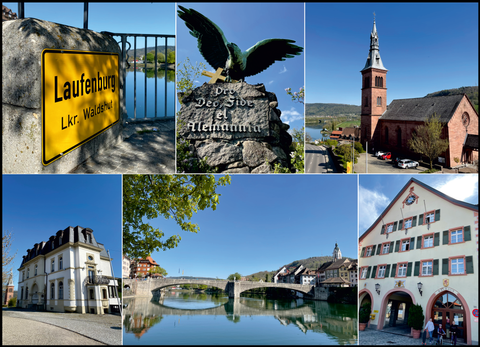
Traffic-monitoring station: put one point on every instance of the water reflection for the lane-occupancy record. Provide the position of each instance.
(336, 324)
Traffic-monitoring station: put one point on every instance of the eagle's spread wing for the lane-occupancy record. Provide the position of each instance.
(211, 41)
(266, 52)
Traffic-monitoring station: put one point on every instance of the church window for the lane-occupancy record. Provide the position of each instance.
(52, 291)
(365, 102)
(386, 135)
(60, 290)
(379, 101)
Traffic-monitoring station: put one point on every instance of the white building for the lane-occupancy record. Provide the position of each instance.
(423, 249)
(279, 275)
(126, 263)
(71, 272)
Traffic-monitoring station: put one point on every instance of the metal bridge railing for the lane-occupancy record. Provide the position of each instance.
(123, 68)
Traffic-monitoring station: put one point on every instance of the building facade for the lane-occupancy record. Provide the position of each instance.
(141, 266)
(126, 267)
(390, 128)
(9, 291)
(422, 249)
(71, 272)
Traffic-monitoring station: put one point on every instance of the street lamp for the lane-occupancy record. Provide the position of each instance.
(377, 288)
(419, 286)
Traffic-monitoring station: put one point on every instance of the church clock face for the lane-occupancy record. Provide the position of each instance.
(465, 119)
(410, 200)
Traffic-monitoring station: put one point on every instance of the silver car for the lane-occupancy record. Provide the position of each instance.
(407, 163)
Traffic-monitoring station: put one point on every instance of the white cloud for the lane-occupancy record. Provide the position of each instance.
(270, 82)
(284, 69)
(291, 116)
(463, 188)
(370, 205)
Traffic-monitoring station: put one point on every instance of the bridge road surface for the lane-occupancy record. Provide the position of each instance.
(317, 160)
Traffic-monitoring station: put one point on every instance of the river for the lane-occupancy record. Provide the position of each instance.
(314, 131)
(140, 77)
(187, 318)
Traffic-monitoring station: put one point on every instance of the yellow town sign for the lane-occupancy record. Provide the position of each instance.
(80, 99)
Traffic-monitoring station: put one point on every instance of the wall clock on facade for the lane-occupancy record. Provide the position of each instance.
(410, 200)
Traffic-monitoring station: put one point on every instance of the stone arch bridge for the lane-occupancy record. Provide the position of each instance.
(233, 288)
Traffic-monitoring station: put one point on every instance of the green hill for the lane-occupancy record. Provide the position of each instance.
(141, 51)
(321, 110)
(471, 92)
(312, 263)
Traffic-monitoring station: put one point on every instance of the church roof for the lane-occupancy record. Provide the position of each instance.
(471, 141)
(373, 60)
(419, 109)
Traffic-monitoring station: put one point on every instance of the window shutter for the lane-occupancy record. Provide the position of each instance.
(397, 245)
(435, 266)
(383, 230)
(437, 215)
(394, 270)
(368, 271)
(390, 250)
(395, 226)
(420, 219)
(412, 243)
(387, 270)
(363, 252)
(416, 271)
(379, 248)
(409, 269)
(445, 266)
(374, 271)
(419, 242)
(469, 266)
(373, 249)
(445, 238)
(414, 221)
(466, 233)
(400, 224)
(436, 239)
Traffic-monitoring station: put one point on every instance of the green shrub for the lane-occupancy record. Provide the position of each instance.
(416, 317)
(364, 314)
(12, 302)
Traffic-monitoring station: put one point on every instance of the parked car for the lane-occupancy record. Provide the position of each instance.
(379, 153)
(407, 163)
(397, 160)
(386, 156)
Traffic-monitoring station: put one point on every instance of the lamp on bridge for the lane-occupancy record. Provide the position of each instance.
(377, 288)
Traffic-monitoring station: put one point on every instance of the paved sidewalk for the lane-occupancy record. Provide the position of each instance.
(22, 327)
(148, 147)
(378, 337)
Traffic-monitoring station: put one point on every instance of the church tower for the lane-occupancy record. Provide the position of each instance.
(337, 255)
(374, 91)
(8, 290)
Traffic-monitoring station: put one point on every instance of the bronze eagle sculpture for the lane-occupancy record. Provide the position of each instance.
(220, 53)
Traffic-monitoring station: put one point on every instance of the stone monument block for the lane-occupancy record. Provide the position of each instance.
(235, 126)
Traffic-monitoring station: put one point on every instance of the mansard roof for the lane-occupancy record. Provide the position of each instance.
(70, 234)
(419, 109)
(425, 186)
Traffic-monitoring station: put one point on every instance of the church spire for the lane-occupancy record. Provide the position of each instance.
(374, 60)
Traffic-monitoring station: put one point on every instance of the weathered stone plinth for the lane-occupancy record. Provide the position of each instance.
(23, 41)
(236, 126)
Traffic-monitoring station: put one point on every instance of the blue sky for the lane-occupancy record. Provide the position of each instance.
(426, 47)
(35, 207)
(264, 222)
(245, 24)
(377, 191)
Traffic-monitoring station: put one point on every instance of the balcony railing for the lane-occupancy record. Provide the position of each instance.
(96, 280)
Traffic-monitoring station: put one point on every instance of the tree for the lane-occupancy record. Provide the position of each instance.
(158, 270)
(7, 238)
(171, 196)
(171, 57)
(160, 57)
(235, 276)
(150, 57)
(427, 139)
(187, 73)
(297, 96)
(266, 277)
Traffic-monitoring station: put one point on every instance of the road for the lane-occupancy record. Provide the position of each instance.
(317, 160)
(376, 165)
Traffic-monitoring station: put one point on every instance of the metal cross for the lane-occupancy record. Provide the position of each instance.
(215, 76)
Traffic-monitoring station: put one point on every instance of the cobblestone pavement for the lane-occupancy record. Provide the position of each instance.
(148, 147)
(43, 328)
(377, 337)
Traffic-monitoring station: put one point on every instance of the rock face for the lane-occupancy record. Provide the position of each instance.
(23, 41)
(236, 126)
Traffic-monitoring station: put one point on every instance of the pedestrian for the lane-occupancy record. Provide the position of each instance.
(440, 332)
(447, 327)
(453, 332)
(429, 328)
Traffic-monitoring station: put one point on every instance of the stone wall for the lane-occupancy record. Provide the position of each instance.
(23, 41)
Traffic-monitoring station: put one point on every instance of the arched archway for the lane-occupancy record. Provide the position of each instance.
(393, 301)
(364, 297)
(447, 307)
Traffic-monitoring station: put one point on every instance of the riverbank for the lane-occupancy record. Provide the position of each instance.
(152, 65)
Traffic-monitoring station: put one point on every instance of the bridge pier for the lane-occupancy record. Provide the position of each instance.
(233, 289)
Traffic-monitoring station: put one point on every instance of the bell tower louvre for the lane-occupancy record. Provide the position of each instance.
(374, 91)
